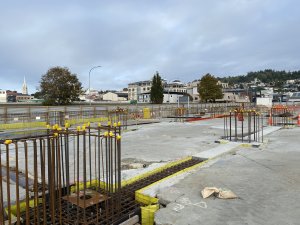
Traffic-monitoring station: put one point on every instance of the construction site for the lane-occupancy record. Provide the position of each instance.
(149, 164)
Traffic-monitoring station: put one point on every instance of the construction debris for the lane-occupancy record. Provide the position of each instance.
(218, 192)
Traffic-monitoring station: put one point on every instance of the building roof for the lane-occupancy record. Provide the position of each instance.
(140, 82)
(122, 94)
(168, 92)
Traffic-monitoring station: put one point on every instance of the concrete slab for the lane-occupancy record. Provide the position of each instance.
(169, 141)
(217, 151)
(266, 179)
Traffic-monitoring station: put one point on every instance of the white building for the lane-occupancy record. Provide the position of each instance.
(3, 96)
(114, 97)
(169, 97)
(175, 86)
(140, 91)
(234, 95)
(90, 95)
(138, 88)
(267, 92)
(24, 98)
(223, 85)
(192, 90)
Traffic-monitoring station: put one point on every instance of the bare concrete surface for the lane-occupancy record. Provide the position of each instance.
(167, 141)
(266, 180)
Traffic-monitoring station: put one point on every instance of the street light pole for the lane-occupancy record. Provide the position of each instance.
(90, 81)
(168, 84)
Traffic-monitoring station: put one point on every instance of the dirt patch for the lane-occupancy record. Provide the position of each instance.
(133, 163)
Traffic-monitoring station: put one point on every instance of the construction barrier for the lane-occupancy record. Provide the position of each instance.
(147, 114)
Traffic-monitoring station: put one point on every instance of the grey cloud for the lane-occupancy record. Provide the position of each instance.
(133, 39)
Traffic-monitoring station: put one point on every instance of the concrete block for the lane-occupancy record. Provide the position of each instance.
(131, 221)
(169, 195)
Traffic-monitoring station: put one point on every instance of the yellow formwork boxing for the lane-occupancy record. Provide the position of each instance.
(143, 199)
(148, 214)
(12, 126)
(92, 120)
(22, 205)
(152, 202)
(95, 183)
(145, 175)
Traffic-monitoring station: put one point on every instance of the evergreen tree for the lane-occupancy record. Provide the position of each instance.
(59, 87)
(157, 90)
(208, 88)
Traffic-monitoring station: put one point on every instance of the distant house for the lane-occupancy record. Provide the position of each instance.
(223, 85)
(8, 96)
(140, 91)
(192, 90)
(24, 97)
(115, 97)
(3, 96)
(169, 97)
(138, 88)
(234, 95)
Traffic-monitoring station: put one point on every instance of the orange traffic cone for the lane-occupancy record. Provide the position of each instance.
(270, 120)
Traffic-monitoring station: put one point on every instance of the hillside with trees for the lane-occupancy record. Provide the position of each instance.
(265, 76)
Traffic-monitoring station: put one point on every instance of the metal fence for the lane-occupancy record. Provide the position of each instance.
(284, 115)
(22, 117)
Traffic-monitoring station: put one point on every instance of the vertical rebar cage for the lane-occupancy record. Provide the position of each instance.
(68, 176)
(244, 125)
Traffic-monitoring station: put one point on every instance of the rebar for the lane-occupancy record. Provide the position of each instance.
(44, 177)
(243, 125)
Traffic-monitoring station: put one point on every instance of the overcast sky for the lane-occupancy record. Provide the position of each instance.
(133, 39)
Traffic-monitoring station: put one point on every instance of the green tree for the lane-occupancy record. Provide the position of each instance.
(157, 90)
(60, 87)
(37, 95)
(208, 88)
